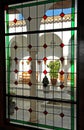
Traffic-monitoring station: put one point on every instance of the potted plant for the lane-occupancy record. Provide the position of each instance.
(54, 67)
(45, 82)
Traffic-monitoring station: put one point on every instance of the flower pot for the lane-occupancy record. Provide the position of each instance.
(53, 82)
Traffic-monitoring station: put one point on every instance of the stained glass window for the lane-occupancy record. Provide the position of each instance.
(41, 47)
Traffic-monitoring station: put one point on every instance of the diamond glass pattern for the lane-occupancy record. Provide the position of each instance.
(62, 14)
(15, 47)
(61, 86)
(30, 84)
(61, 72)
(45, 112)
(30, 46)
(45, 72)
(29, 71)
(61, 45)
(30, 110)
(29, 18)
(15, 20)
(62, 115)
(16, 59)
(16, 71)
(45, 17)
(16, 108)
(45, 45)
(16, 82)
(62, 59)
(30, 59)
(45, 59)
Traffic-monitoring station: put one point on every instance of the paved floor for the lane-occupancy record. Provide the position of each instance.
(52, 117)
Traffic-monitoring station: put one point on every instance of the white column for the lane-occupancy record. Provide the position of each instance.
(33, 103)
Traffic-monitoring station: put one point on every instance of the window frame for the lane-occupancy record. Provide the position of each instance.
(80, 104)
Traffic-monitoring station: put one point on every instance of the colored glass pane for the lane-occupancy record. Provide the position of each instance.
(30, 59)
(16, 108)
(16, 71)
(61, 45)
(45, 112)
(29, 18)
(15, 47)
(45, 72)
(62, 14)
(62, 115)
(30, 84)
(30, 110)
(61, 72)
(29, 71)
(30, 46)
(15, 20)
(45, 45)
(61, 86)
(16, 82)
(45, 17)
(62, 59)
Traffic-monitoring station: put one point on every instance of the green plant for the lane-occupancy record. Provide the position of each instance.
(54, 67)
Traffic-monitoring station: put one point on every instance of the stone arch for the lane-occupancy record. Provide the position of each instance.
(52, 40)
(17, 45)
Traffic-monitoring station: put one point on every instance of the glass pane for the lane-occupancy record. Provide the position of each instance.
(41, 72)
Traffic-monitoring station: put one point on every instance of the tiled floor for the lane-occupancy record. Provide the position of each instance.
(52, 118)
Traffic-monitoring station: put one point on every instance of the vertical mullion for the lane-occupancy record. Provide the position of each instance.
(8, 52)
(8, 62)
(45, 56)
(36, 60)
(53, 59)
(15, 50)
(72, 63)
(23, 70)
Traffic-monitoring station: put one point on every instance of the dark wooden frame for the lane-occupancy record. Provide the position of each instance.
(80, 69)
